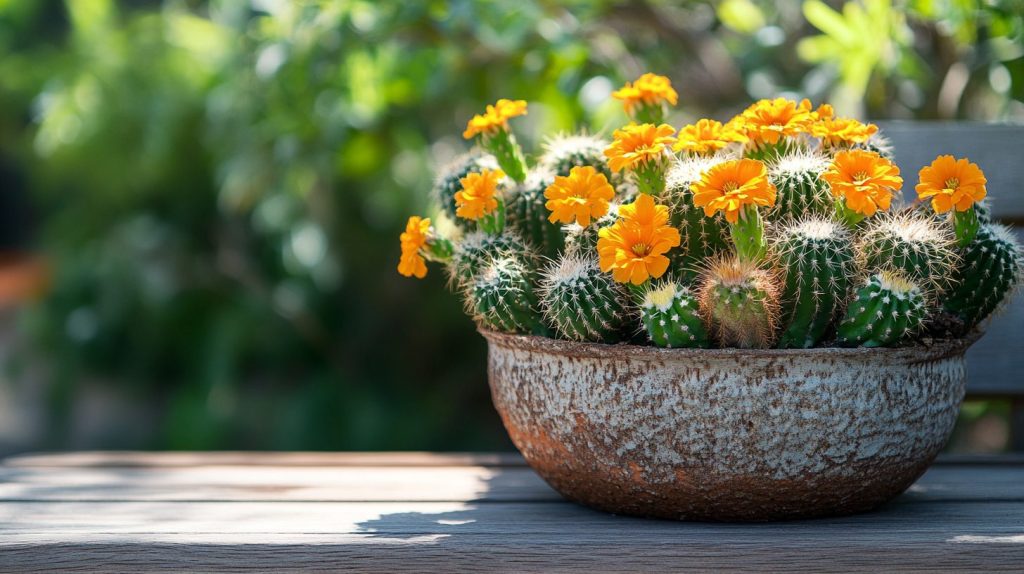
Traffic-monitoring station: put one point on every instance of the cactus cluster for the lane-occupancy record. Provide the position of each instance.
(782, 227)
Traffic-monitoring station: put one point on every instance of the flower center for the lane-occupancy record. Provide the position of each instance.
(860, 176)
(641, 249)
(952, 183)
(730, 186)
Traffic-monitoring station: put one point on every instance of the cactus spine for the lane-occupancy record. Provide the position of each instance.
(989, 269)
(671, 315)
(740, 301)
(581, 302)
(702, 237)
(800, 189)
(564, 152)
(916, 246)
(447, 183)
(818, 259)
(528, 217)
(477, 249)
(888, 309)
(501, 297)
(582, 240)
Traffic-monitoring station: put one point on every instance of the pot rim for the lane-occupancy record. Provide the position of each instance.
(923, 350)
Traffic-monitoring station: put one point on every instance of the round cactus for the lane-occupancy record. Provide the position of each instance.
(583, 240)
(581, 302)
(740, 302)
(879, 144)
(888, 309)
(818, 259)
(502, 298)
(918, 247)
(566, 151)
(448, 181)
(990, 268)
(801, 191)
(477, 249)
(671, 315)
(527, 216)
(702, 237)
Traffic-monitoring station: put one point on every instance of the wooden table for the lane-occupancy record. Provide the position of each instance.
(454, 513)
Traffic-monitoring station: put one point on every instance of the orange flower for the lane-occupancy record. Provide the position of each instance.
(768, 121)
(495, 117)
(638, 144)
(634, 247)
(578, 198)
(731, 185)
(413, 239)
(836, 132)
(477, 196)
(951, 183)
(824, 112)
(865, 179)
(648, 89)
(707, 137)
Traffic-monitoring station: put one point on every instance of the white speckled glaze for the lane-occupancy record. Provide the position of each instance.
(726, 434)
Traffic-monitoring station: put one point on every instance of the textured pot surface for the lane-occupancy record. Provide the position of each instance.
(726, 434)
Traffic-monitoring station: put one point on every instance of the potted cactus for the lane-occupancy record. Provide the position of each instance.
(729, 321)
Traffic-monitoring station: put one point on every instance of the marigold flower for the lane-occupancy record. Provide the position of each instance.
(842, 131)
(477, 196)
(648, 89)
(951, 183)
(731, 185)
(864, 179)
(637, 144)
(413, 239)
(768, 121)
(583, 195)
(707, 137)
(634, 247)
(495, 117)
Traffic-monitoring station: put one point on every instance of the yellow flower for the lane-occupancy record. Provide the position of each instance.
(477, 196)
(648, 89)
(413, 239)
(707, 137)
(824, 112)
(495, 117)
(951, 183)
(731, 185)
(842, 131)
(638, 144)
(583, 195)
(864, 179)
(768, 121)
(634, 248)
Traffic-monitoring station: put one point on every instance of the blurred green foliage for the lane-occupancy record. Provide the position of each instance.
(221, 184)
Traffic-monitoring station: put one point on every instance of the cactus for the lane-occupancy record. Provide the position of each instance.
(671, 315)
(447, 183)
(888, 309)
(819, 261)
(800, 188)
(564, 152)
(702, 236)
(740, 302)
(502, 298)
(916, 246)
(527, 216)
(581, 302)
(582, 240)
(478, 248)
(879, 144)
(990, 268)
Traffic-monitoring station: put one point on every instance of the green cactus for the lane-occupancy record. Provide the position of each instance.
(879, 144)
(581, 302)
(671, 315)
(477, 249)
(888, 309)
(801, 191)
(990, 269)
(916, 246)
(702, 237)
(502, 298)
(566, 151)
(527, 216)
(447, 183)
(583, 240)
(740, 302)
(819, 261)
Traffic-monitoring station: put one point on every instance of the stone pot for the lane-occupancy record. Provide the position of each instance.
(726, 434)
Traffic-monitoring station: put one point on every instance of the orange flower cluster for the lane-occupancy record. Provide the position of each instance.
(477, 197)
(768, 121)
(494, 117)
(580, 197)
(638, 144)
(648, 89)
(707, 137)
(413, 239)
(634, 248)
(732, 185)
(951, 183)
(864, 180)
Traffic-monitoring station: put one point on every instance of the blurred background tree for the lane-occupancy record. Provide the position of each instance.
(218, 186)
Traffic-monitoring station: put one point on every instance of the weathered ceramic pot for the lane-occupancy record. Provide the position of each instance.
(726, 434)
